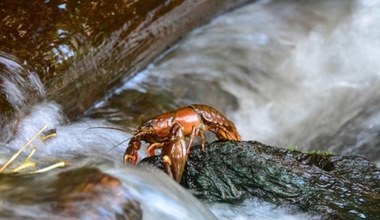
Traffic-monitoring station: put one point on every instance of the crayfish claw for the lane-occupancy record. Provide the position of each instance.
(174, 153)
(131, 155)
(130, 159)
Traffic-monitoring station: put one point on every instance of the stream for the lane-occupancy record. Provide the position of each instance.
(299, 74)
(283, 83)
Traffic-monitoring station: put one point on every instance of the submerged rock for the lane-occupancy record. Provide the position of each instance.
(337, 187)
(81, 193)
(97, 190)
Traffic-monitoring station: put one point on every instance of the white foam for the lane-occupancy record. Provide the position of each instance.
(81, 138)
(254, 209)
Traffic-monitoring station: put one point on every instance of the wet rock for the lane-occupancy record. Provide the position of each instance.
(85, 192)
(80, 50)
(337, 187)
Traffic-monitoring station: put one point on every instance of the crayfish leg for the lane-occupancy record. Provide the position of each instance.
(202, 136)
(195, 131)
(167, 165)
(150, 151)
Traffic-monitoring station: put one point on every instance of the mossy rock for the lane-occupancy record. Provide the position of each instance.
(336, 187)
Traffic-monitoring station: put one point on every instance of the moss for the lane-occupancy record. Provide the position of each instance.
(324, 153)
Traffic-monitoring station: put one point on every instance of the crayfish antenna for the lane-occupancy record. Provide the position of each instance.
(120, 143)
(111, 128)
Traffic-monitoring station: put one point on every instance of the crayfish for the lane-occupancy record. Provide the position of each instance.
(169, 130)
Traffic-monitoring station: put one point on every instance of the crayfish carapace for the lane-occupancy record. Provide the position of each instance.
(168, 131)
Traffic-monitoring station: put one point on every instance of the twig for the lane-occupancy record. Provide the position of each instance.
(22, 149)
(23, 166)
(56, 165)
(30, 155)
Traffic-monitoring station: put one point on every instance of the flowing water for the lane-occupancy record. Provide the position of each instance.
(288, 73)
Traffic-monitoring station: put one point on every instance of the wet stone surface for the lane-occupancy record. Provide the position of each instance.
(81, 50)
(85, 192)
(337, 187)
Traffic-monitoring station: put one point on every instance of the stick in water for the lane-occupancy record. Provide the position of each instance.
(22, 149)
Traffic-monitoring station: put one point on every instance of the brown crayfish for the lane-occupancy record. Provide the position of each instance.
(168, 131)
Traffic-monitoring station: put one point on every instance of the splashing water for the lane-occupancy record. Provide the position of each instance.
(254, 209)
(18, 84)
(20, 87)
(83, 144)
(287, 73)
(78, 144)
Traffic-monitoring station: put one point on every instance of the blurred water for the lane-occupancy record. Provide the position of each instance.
(20, 87)
(288, 73)
(83, 144)
(254, 209)
(18, 84)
